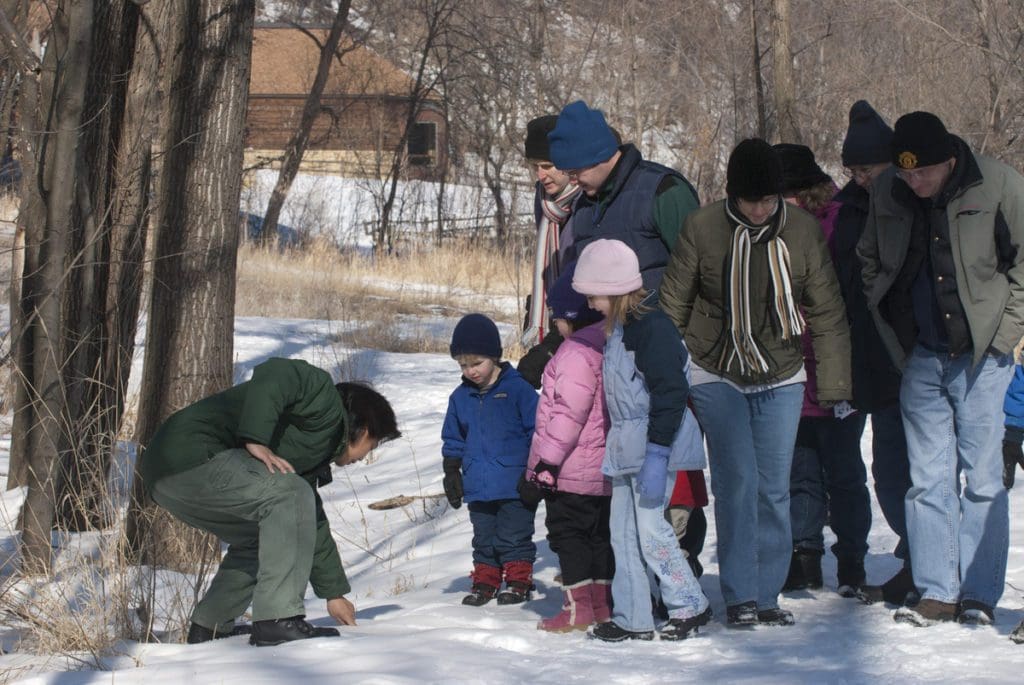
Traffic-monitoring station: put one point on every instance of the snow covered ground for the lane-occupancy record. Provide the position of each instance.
(408, 569)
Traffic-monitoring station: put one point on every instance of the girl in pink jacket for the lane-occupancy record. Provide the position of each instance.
(565, 461)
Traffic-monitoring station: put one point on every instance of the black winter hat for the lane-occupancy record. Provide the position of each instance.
(476, 334)
(754, 170)
(566, 303)
(868, 137)
(799, 168)
(536, 145)
(920, 139)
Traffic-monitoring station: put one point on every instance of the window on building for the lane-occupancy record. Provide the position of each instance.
(422, 145)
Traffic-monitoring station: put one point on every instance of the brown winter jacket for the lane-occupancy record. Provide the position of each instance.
(693, 293)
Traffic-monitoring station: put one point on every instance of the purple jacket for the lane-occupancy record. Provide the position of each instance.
(571, 418)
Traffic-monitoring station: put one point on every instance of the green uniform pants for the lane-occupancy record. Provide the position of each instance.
(268, 521)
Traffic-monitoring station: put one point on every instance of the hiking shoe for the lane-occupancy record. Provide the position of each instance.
(682, 628)
(278, 631)
(804, 571)
(1018, 634)
(973, 612)
(198, 634)
(480, 594)
(775, 617)
(926, 613)
(899, 589)
(850, 577)
(515, 593)
(741, 615)
(612, 632)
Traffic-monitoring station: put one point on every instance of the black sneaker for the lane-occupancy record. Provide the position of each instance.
(741, 615)
(611, 632)
(198, 634)
(481, 594)
(899, 589)
(278, 631)
(775, 617)
(515, 593)
(973, 612)
(682, 628)
(804, 571)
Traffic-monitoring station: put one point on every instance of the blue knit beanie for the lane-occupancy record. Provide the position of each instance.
(868, 137)
(476, 334)
(581, 138)
(566, 303)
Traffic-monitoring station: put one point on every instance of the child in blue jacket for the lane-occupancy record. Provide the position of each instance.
(1013, 454)
(486, 440)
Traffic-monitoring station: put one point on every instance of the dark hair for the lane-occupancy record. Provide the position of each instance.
(368, 410)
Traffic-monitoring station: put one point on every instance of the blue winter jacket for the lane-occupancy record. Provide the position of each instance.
(490, 431)
(1013, 404)
(646, 386)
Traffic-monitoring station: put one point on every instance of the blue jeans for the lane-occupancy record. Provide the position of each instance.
(502, 532)
(890, 468)
(750, 447)
(644, 543)
(827, 461)
(952, 415)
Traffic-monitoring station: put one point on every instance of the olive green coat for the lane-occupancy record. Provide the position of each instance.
(694, 295)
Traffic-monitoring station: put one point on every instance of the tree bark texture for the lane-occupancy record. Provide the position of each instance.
(784, 85)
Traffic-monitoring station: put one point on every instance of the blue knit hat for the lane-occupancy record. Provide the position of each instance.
(581, 138)
(566, 303)
(476, 334)
(867, 138)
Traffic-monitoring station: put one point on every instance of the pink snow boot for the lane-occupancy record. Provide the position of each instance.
(577, 611)
(601, 600)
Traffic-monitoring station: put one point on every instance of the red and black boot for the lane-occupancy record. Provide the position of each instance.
(518, 582)
(486, 581)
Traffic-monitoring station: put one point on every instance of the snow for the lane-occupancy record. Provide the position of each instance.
(408, 568)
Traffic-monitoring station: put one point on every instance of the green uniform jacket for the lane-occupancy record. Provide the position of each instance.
(291, 407)
(694, 296)
(991, 293)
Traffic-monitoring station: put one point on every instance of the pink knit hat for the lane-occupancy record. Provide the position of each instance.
(607, 267)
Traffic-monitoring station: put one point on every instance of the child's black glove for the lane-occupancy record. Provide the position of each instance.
(1013, 454)
(452, 481)
(537, 488)
(531, 366)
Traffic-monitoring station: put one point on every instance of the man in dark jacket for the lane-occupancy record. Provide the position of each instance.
(244, 464)
(625, 197)
(944, 277)
(876, 380)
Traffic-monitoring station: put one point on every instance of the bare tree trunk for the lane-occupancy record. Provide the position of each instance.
(297, 144)
(762, 119)
(191, 322)
(784, 89)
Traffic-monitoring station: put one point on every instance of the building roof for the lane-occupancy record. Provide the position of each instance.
(284, 62)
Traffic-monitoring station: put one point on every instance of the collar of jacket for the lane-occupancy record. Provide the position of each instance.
(506, 371)
(854, 195)
(620, 172)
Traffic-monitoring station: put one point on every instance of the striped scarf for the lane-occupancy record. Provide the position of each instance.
(744, 237)
(554, 213)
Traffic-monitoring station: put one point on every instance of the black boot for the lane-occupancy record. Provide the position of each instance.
(198, 634)
(897, 590)
(280, 630)
(741, 615)
(480, 594)
(515, 593)
(850, 576)
(804, 571)
(612, 632)
(682, 628)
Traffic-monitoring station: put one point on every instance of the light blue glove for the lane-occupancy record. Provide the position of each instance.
(653, 476)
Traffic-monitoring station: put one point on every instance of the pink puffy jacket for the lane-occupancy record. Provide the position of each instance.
(571, 418)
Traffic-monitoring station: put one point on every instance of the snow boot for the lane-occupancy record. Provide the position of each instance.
(899, 589)
(277, 631)
(850, 576)
(775, 617)
(742, 615)
(601, 600)
(612, 632)
(804, 571)
(682, 628)
(973, 612)
(926, 613)
(198, 634)
(518, 582)
(577, 610)
(486, 581)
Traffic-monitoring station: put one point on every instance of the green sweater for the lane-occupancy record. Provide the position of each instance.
(291, 407)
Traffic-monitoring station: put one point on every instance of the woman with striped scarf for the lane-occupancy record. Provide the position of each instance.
(747, 276)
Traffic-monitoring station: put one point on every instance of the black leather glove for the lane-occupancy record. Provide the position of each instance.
(452, 481)
(531, 366)
(1013, 455)
(529, 493)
